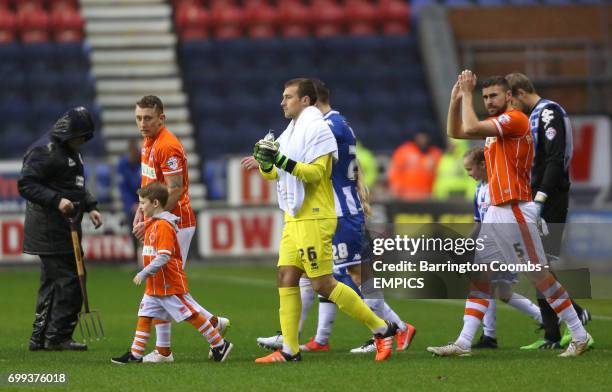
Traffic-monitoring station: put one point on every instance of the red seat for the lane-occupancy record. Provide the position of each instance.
(227, 19)
(295, 18)
(328, 18)
(260, 18)
(362, 17)
(66, 22)
(192, 21)
(8, 25)
(53, 3)
(33, 23)
(395, 16)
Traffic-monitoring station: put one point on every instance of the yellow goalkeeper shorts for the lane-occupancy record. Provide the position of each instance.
(307, 245)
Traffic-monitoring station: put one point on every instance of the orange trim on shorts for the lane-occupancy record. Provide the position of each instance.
(184, 301)
(518, 214)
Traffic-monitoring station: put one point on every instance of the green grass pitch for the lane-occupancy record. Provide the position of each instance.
(248, 296)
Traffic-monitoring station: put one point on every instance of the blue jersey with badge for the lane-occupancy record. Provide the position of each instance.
(344, 171)
(482, 201)
(349, 238)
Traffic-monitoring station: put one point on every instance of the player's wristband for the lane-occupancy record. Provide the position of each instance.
(540, 197)
(282, 162)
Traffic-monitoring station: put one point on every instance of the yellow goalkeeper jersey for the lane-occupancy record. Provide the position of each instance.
(318, 190)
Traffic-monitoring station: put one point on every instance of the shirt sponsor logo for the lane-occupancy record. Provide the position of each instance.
(503, 119)
(547, 116)
(80, 181)
(147, 171)
(148, 250)
(172, 163)
(551, 133)
(71, 162)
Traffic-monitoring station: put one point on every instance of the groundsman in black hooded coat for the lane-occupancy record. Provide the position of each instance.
(53, 183)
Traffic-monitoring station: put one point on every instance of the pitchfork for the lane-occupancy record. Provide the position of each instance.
(90, 323)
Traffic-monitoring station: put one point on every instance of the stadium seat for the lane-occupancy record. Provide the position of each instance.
(38, 57)
(260, 18)
(8, 25)
(328, 18)
(267, 53)
(395, 16)
(362, 17)
(192, 21)
(492, 3)
(459, 3)
(295, 18)
(32, 22)
(196, 55)
(74, 57)
(66, 22)
(227, 19)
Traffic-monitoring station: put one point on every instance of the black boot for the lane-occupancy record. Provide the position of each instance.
(67, 345)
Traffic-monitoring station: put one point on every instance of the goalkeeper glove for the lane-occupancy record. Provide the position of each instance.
(268, 147)
(264, 156)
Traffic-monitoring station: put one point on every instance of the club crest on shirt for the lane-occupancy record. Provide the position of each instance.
(172, 163)
(547, 116)
(551, 133)
(503, 119)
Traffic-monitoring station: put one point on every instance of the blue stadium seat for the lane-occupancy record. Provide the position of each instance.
(524, 2)
(492, 3)
(72, 57)
(458, 3)
(38, 57)
(195, 56)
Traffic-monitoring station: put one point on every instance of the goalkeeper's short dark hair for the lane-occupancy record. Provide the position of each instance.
(305, 88)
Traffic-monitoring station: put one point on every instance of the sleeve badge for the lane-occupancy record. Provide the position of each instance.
(172, 163)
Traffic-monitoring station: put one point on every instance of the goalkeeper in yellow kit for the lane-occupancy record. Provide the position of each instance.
(300, 160)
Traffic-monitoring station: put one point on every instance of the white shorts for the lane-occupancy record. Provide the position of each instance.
(179, 307)
(511, 235)
(185, 235)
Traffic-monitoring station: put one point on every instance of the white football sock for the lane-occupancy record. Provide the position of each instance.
(489, 322)
(307, 295)
(327, 315)
(526, 306)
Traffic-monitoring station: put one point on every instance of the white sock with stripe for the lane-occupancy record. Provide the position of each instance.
(475, 309)
(163, 332)
(560, 302)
